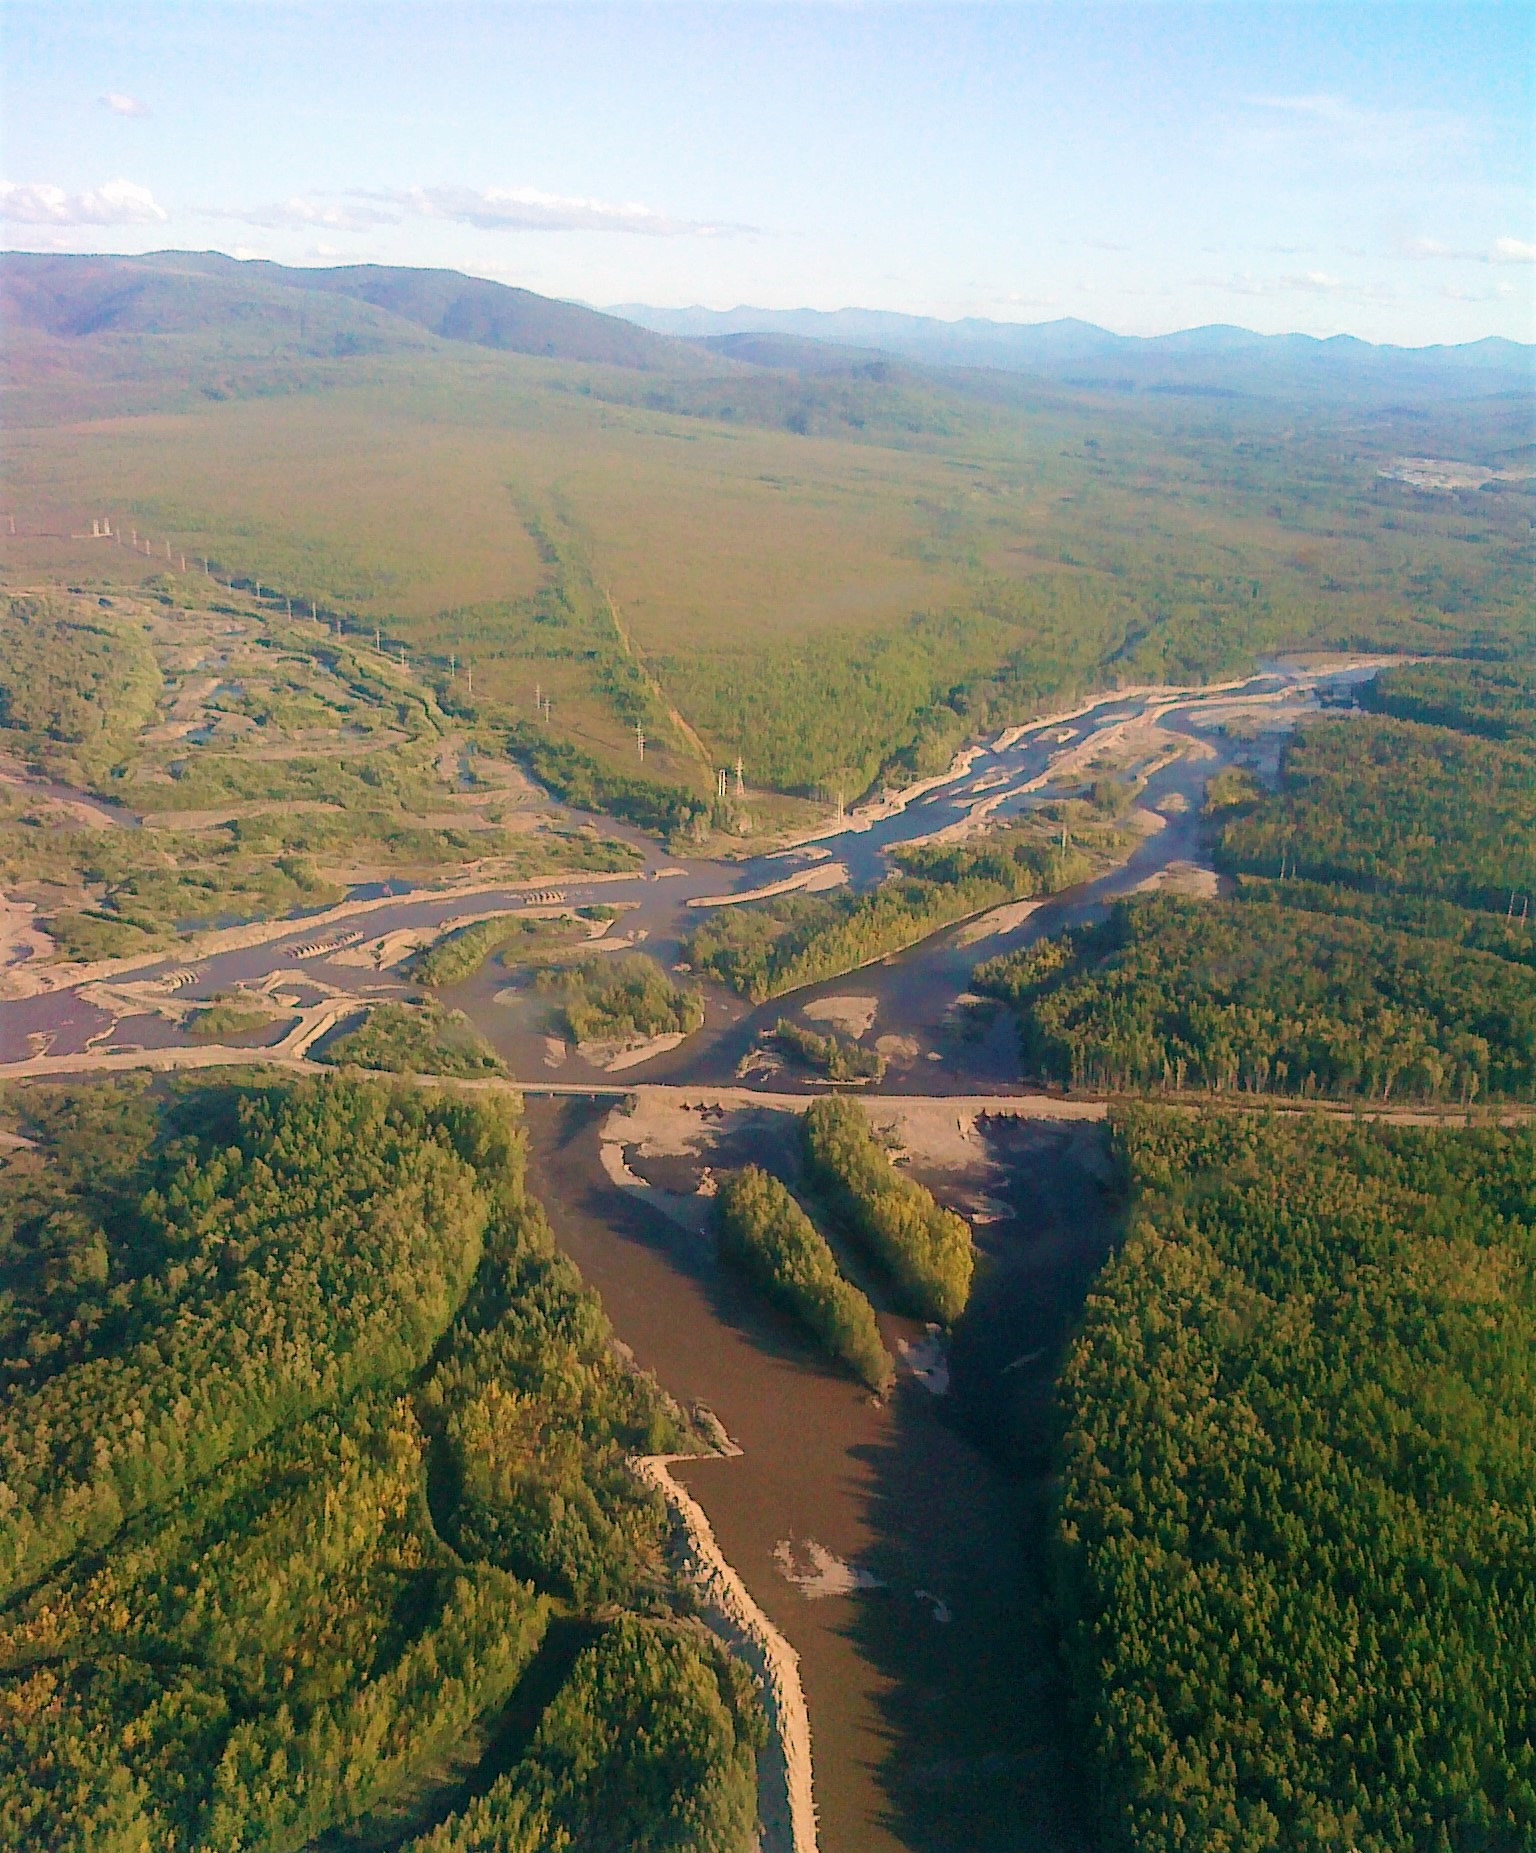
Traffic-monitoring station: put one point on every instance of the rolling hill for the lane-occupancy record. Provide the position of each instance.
(178, 292)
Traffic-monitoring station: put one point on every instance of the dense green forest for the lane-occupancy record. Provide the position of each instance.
(1377, 941)
(924, 1249)
(346, 1439)
(766, 948)
(1496, 699)
(1247, 994)
(1393, 806)
(649, 1746)
(74, 684)
(1298, 1565)
(763, 1230)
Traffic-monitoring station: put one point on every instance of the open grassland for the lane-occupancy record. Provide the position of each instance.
(758, 563)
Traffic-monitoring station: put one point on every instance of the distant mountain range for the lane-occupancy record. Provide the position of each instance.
(1218, 360)
(260, 307)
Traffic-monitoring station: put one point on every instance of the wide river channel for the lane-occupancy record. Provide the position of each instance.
(898, 1546)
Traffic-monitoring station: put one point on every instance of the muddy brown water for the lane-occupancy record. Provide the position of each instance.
(938, 1712)
(935, 1698)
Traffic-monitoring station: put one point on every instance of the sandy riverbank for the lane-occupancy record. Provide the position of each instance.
(34, 981)
(786, 1803)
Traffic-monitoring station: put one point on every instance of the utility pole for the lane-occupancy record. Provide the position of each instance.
(741, 788)
(640, 741)
(721, 775)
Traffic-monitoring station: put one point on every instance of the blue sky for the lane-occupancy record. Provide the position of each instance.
(1366, 168)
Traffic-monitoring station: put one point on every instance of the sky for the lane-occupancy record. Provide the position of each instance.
(1367, 169)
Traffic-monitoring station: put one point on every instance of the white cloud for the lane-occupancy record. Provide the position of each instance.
(1512, 251)
(123, 105)
(526, 209)
(115, 202)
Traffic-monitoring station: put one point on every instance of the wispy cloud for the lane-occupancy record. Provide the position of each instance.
(1298, 283)
(115, 202)
(527, 209)
(1021, 299)
(121, 104)
(488, 209)
(1501, 251)
(1326, 127)
(330, 215)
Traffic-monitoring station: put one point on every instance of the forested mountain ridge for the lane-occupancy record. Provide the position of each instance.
(169, 292)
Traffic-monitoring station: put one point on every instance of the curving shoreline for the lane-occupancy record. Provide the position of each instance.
(786, 1804)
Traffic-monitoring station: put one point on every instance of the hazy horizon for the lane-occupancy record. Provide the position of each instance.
(1310, 168)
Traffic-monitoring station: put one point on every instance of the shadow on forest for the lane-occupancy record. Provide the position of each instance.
(981, 1756)
(499, 1748)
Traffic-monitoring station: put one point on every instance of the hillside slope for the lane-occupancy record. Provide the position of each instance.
(180, 292)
